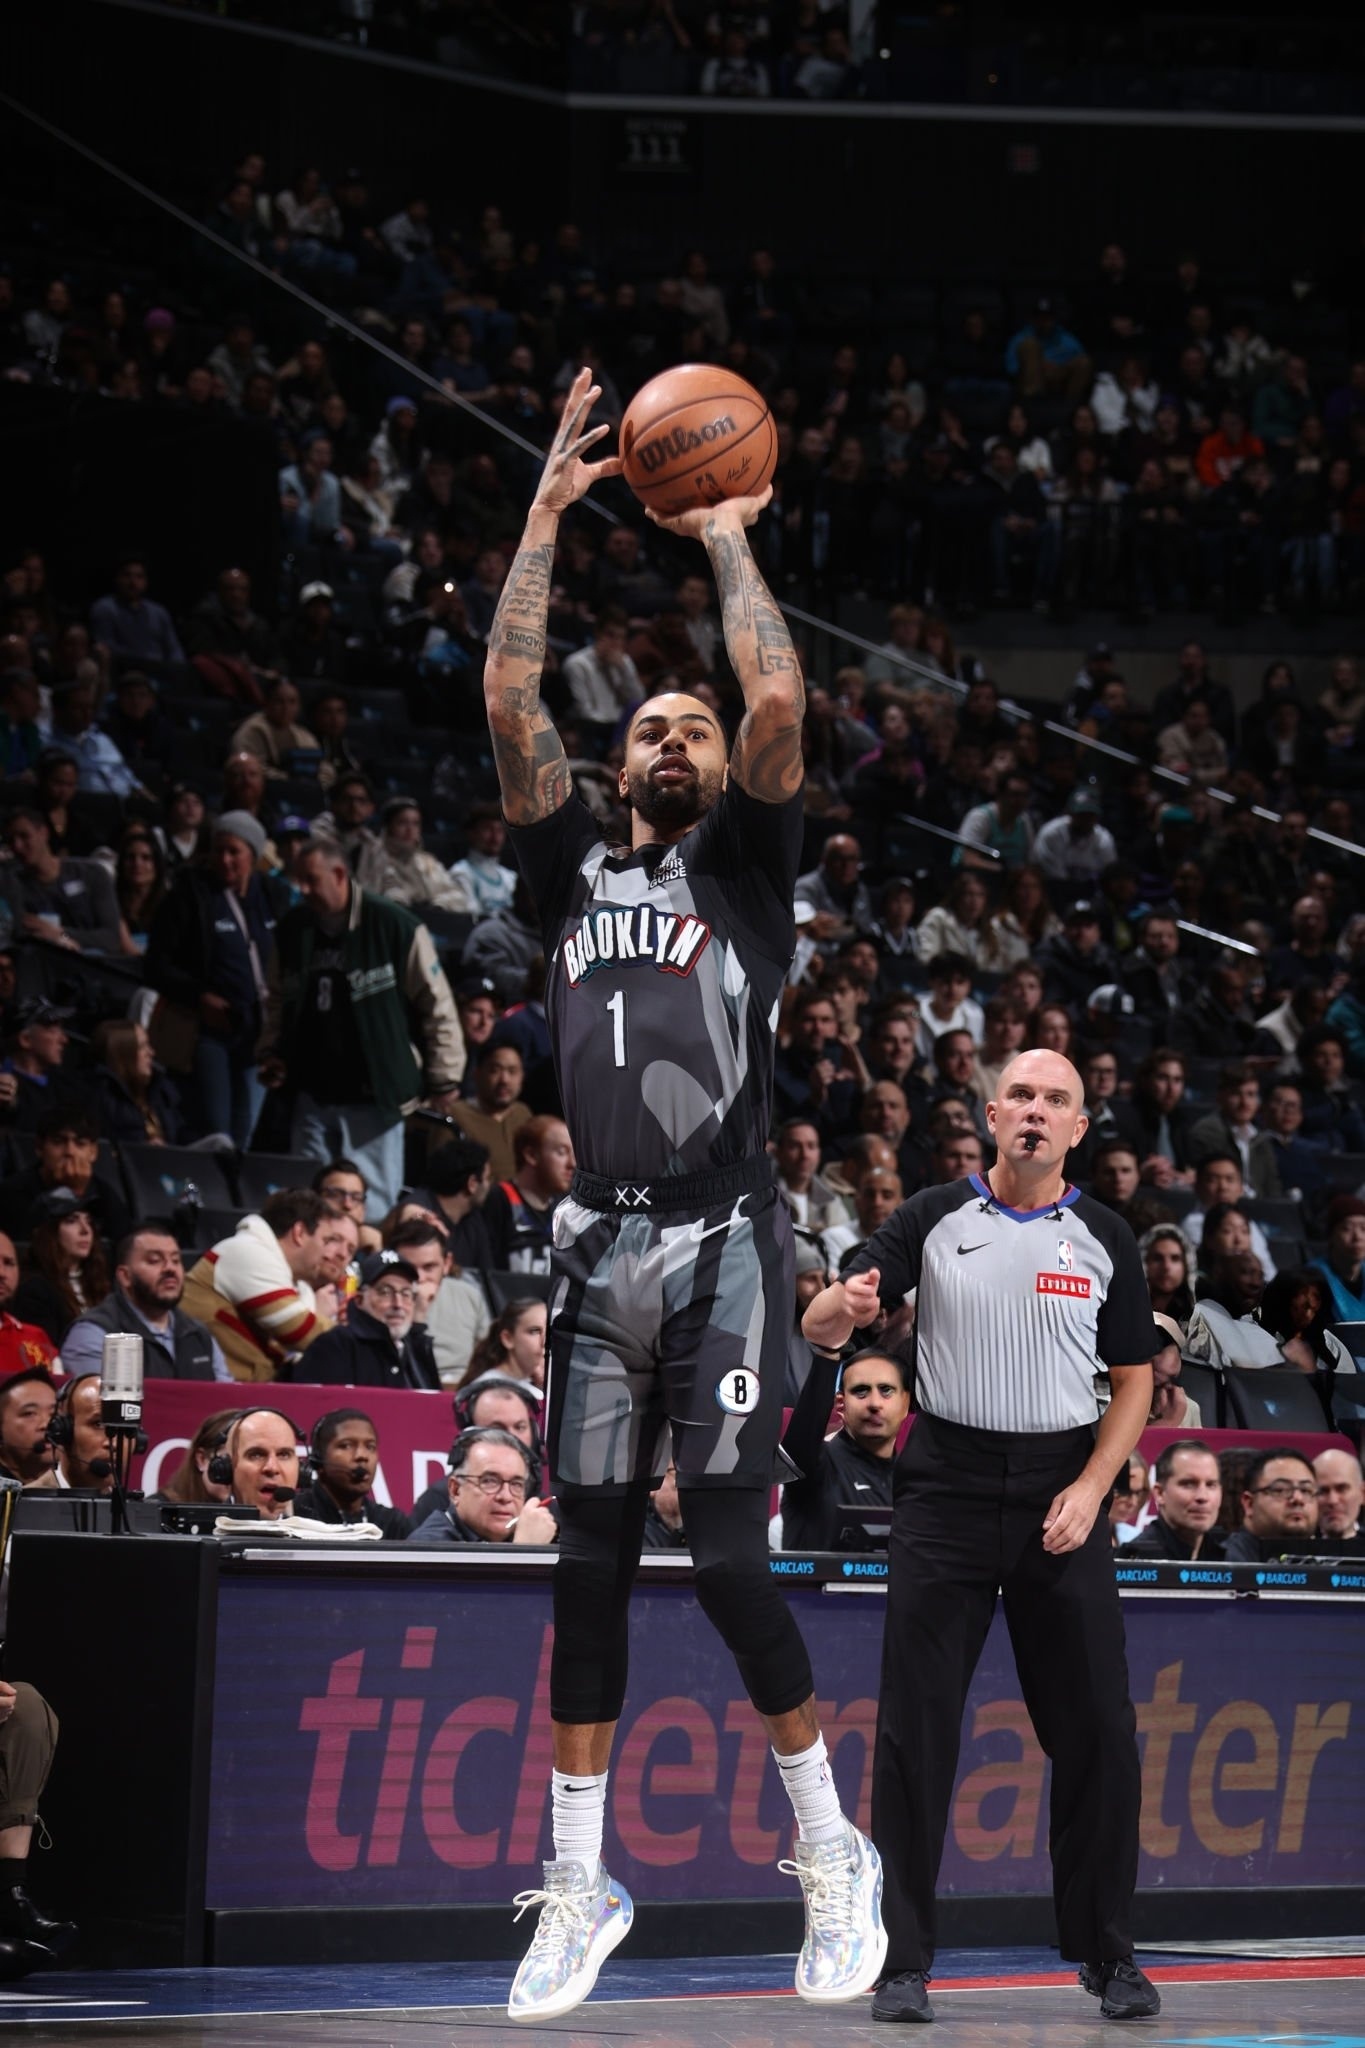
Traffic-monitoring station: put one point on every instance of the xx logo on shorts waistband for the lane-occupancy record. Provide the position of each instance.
(632, 1198)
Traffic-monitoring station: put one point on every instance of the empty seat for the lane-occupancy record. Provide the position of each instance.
(1271, 1398)
(502, 1287)
(1278, 1216)
(1204, 1385)
(262, 1174)
(158, 1176)
(1345, 1171)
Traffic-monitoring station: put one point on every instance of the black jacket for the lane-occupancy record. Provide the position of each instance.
(188, 1355)
(361, 1353)
(182, 942)
(1070, 976)
(836, 1475)
(19, 1192)
(1160, 1539)
(122, 1121)
(317, 1504)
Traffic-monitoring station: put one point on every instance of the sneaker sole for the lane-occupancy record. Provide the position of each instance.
(881, 1942)
(1146, 2012)
(906, 2019)
(573, 1994)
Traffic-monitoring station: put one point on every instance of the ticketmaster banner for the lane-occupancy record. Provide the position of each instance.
(389, 1741)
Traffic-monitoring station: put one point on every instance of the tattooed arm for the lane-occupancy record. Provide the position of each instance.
(532, 771)
(766, 760)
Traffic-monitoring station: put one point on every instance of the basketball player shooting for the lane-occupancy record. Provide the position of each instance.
(673, 1255)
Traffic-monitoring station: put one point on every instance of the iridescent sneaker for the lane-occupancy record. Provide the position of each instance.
(845, 1944)
(579, 1926)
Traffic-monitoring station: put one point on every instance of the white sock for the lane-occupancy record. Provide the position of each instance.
(810, 1788)
(579, 1809)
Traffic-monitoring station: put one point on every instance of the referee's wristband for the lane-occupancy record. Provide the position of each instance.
(827, 1352)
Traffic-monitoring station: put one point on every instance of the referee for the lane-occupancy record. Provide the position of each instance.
(1024, 1284)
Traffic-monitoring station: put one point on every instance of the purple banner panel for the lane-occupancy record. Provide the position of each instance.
(387, 1743)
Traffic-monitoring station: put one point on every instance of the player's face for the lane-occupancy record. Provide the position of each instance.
(675, 762)
(1040, 1096)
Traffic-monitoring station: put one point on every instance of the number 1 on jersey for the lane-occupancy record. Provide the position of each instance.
(616, 1009)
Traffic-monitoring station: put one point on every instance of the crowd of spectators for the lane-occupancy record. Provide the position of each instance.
(276, 1089)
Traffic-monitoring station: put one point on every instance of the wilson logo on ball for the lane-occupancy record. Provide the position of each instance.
(652, 455)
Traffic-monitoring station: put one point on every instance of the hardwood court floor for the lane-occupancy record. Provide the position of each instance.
(1308, 1996)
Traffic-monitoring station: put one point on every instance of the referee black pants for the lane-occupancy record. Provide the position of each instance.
(969, 1507)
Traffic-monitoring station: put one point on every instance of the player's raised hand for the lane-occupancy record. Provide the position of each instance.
(731, 515)
(566, 477)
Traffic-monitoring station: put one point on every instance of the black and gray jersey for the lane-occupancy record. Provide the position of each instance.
(664, 971)
(1017, 1309)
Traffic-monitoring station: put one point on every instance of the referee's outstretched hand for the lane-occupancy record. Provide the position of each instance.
(1071, 1517)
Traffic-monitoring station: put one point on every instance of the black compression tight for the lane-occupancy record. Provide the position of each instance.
(599, 1549)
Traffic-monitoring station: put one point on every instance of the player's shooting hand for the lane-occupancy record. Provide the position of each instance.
(1071, 1517)
(732, 515)
(566, 477)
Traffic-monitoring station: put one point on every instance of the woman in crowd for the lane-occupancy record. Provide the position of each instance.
(191, 1485)
(1025, 918)
(1294, 1309)
(515, 1344)
(66, 1271)
(70, 825)
(1050, 1030)
(1226, 1233)
(962, 923)
(138, 1102)
(140, 885)
(1168, 1260)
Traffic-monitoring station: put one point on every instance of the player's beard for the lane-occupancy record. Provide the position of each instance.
(672, 804)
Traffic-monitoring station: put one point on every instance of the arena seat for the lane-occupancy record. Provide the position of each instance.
(1271, 1398)
(157, 1176)
(502, 1287)
(262, 1174)
(1204, 1385)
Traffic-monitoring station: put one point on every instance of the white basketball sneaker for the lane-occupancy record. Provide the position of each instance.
(845, 1945)
(580, 1924)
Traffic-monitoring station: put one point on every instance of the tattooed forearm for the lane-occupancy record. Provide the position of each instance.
(532, 771)
(767, 753)
(755, 630)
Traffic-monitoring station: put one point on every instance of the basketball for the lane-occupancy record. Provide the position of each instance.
(695, 435)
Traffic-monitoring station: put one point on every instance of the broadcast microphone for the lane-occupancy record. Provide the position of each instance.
(99, 1468)
(280, 1492)
(121, 1382)
(1032, 1140)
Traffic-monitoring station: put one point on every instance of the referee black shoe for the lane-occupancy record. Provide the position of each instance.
(905, 1997)
(1123, 1991)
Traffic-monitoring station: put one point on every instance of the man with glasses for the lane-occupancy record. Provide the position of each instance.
(1279, 1508)
(381, 1343)
(343, 1184)
(851, 1469)
(492, 1499)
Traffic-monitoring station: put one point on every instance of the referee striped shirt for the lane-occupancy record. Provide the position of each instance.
(1017, 1309)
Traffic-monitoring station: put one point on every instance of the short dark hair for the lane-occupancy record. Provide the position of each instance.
(19, 1379)
(66, 1117)
(1268, 1457)
(288, 1206)
(335, 1166)
(416, 1232)
(1109, 1147)
(883, 1357)
(1218, 1159)
(946, 966)
(487, 1433)
(452, 1166)
(328, 1427)
(1235, 1075)
(1160, 1056)
(146, 1226)
(1165, 1464)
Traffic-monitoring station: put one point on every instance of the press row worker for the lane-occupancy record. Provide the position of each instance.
(1023, 1285)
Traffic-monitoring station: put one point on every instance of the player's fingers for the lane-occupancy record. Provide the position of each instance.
(580, 404)
(587, 440)
(610, 466)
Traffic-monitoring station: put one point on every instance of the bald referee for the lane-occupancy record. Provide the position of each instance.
(1025, 1286)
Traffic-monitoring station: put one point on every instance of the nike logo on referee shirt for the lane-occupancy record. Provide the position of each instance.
(973, 1247)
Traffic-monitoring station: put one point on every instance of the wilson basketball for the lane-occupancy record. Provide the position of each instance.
(695, 435)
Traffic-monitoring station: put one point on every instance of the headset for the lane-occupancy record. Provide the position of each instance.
(310, 1469)
(500, 1382)
(221, 1464)
(61, 1428)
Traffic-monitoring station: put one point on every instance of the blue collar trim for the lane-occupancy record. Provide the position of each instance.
(1064, 1201)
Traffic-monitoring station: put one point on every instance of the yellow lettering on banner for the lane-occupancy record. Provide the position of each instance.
(1259, 1774)
(1312, 1733)
(1161, 1718)
(1023, 1776)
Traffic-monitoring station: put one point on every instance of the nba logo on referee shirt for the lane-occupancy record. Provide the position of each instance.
(1065, 1262)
